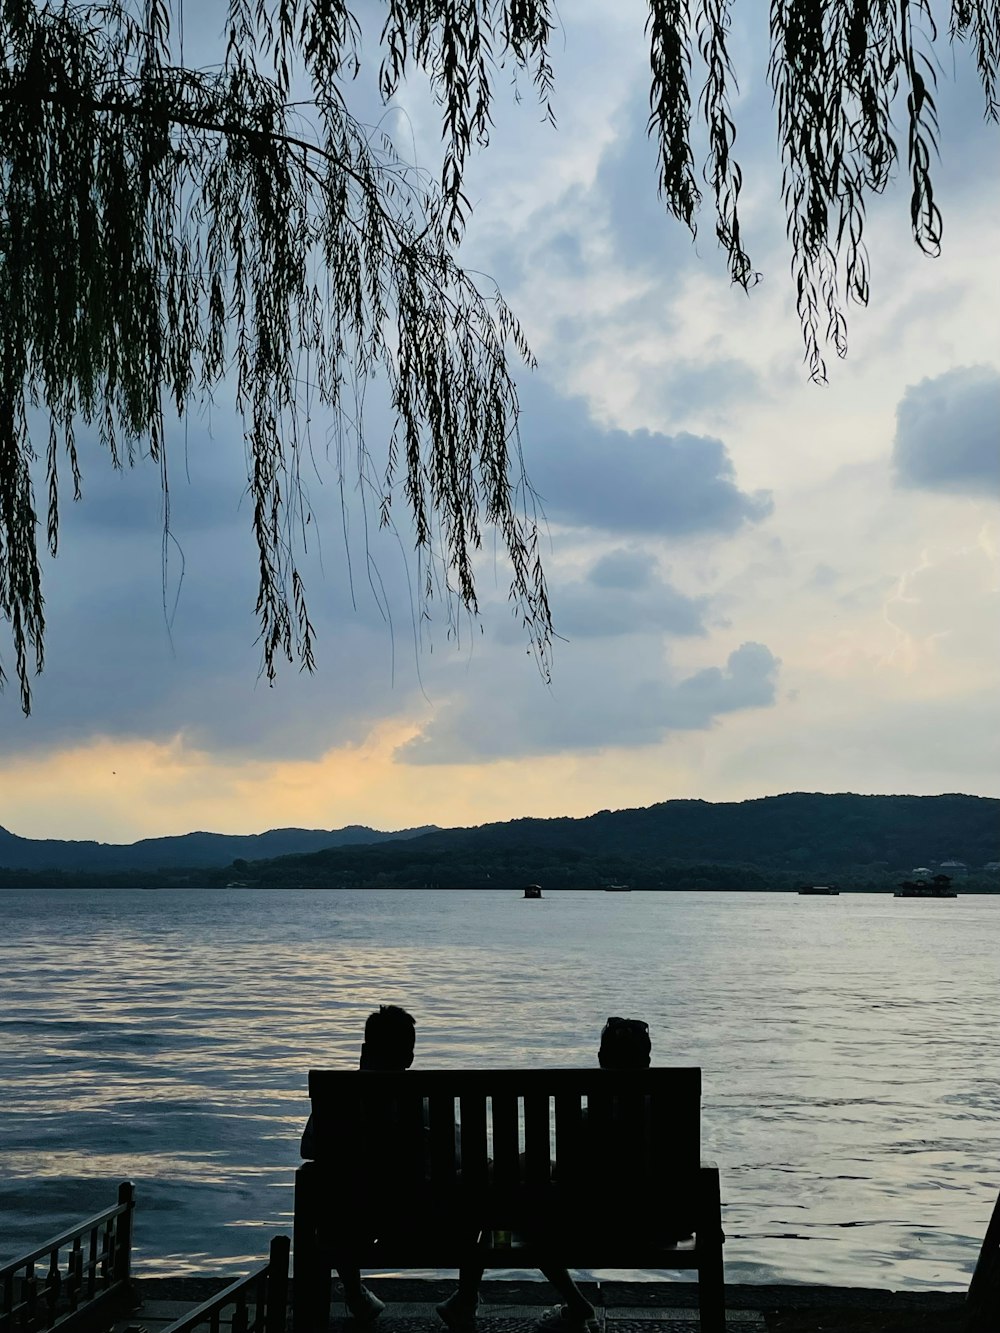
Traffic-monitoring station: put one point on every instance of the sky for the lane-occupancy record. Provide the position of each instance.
(759, 584)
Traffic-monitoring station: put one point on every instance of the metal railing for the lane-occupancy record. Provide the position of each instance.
(259, 1301)
(72, 1274)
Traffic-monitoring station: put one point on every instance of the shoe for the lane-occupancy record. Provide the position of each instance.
(458, 1314)
(365, 1308)
(561, 1319)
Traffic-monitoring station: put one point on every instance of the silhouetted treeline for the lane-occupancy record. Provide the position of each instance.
(182, 852)
(776, 842)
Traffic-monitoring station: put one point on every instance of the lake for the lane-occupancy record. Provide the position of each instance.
(848, 1048)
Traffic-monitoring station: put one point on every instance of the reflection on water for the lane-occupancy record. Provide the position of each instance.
(847, 1044)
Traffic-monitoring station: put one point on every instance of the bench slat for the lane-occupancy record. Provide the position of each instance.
(441, 1112)
(569, 1132)
(506, 1167)
(537, 1159)
(474, 1151)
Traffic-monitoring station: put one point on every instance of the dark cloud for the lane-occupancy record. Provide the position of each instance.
(948, 433)
(156, 638)
(746, 681)
(625, 569)
(631, 481)
(599, 700)
(624, 594)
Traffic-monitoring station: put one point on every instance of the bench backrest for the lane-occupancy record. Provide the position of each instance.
(498, 1141)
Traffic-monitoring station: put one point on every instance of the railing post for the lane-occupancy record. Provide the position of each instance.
(92, 1262)
(29, 1294)
(75, 1271)
(107, 1274)
(277, 1286)
(239, 1322)
(7, 1301)
(123, 1253)
(53, 1281)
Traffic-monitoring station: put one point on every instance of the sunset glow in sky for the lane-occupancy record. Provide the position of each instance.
(761, 585)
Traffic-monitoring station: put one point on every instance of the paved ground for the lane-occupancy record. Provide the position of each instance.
(419, 1317)
(514, 1307)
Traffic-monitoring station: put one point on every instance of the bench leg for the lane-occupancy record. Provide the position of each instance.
(310, 1297)
(712, 1292)
(711, 1277)
(311, 1282)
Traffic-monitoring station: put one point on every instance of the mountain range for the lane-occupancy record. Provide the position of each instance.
(773, 841)
(188, 850)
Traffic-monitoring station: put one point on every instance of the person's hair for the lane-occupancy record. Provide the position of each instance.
(390, 1034)
(625, 1044)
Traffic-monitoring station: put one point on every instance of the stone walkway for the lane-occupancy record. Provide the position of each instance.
(623, 1307)
(419, 1317)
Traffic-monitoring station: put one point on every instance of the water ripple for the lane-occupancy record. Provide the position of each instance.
(851, 1090)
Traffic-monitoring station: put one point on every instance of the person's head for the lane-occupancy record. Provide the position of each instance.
(624, 1044)
(390, 1034)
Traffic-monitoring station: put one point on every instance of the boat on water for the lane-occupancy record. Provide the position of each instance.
(918, 890)
(618, 888)
(532, 890)
(820, 890)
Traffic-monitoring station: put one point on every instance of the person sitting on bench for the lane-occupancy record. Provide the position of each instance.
(624, 1044)
(390, 1037)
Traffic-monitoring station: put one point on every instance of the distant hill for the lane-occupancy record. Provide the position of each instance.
(692, 844)
(773, 842)
(199, 850)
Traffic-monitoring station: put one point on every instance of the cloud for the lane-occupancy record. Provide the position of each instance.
(746, 681)
(624, 569)
(947, 433)
(623, 593)
(640, 481)
(160, 640)
(599, 701)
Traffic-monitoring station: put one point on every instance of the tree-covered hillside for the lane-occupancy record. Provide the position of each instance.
(776, 840)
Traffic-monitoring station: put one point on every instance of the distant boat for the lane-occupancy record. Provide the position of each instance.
(940, 887)
(617, 888)
(820, 890)
(532, 890)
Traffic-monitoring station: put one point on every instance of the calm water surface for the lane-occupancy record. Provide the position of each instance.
(848, 1048)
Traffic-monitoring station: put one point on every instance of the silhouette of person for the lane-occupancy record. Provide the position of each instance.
(624, 1044)
(390, 1037)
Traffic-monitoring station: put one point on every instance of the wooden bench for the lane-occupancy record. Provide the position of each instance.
(586, 1168)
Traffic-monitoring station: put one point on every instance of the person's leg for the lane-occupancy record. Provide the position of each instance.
(459, 1310)
(469, 1278)
(577, 1311)
(350, 1280)
(363, 1304)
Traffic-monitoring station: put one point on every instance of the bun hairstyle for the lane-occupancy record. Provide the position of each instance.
(625, 1044)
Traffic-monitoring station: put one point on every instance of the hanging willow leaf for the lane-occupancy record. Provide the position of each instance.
(163, 228)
